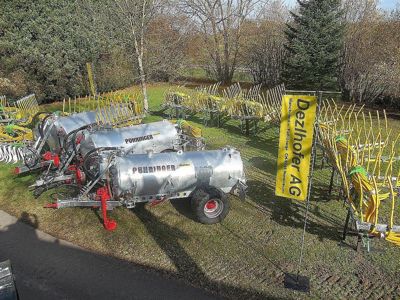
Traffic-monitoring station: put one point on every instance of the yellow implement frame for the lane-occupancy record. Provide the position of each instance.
(365, 152)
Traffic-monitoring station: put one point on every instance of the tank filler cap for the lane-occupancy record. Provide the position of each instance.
(180, 152)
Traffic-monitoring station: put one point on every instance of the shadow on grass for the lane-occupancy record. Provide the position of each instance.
(168, 239)
(265, 143)
(183, 207)
(264, 164)
(290, 213)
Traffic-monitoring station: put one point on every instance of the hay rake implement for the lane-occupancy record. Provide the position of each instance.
(116, 109)
(5, 109)
(21, 112)
(364, 151)
(180, 101)
(247, 106)
(15, 129)
(250, 107)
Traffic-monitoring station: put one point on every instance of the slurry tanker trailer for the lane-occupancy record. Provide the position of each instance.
(52, 136)
(202, 177)
(82, 149)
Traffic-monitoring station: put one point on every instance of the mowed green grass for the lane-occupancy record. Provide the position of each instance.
(245, 256)
(199, 74)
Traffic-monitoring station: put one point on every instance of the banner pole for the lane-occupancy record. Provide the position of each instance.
(313, 154)
(302, 283)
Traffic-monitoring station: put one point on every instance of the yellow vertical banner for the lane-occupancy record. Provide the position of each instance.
(295, 146)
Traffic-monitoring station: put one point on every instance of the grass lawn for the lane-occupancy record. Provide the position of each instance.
(244, 257)
(199, 74)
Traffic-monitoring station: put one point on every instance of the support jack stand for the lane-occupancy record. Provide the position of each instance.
(363, 238)
(346, 232)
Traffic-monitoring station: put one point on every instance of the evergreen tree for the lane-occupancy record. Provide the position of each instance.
(47, 43)
(314, 42)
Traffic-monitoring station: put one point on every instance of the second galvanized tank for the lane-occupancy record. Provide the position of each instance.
(157, 137)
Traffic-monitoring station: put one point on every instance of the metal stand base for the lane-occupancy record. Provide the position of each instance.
(363, 239)
(297, 282)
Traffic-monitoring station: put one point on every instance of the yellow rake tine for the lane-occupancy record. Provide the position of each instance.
(386, 122)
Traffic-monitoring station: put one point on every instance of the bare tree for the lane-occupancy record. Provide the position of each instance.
(220, 22)
(357, 10)
(371, 55)
(167, 44)
(135, 16)
(263, 49)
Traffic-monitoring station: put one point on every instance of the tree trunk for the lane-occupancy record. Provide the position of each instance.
(143, 83)
(140, 59)
(139, 55)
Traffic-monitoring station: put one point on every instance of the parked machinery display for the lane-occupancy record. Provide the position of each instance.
(84, 146)
(52, 136)
(204, 177)
(49, 134)
(108, 162)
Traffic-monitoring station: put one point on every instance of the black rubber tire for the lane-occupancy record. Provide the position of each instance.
(201, 196)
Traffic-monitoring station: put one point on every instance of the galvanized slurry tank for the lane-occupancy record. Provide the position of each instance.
(143, 178)
(157, 136)
(139, 139)
(204, 177)
(51, 132)
(56, 134)
(55, 130)
(58, 127)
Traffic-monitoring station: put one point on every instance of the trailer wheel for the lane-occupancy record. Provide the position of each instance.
(209, 205)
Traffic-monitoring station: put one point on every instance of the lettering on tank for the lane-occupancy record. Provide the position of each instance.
(139, 139)
(153, 169)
